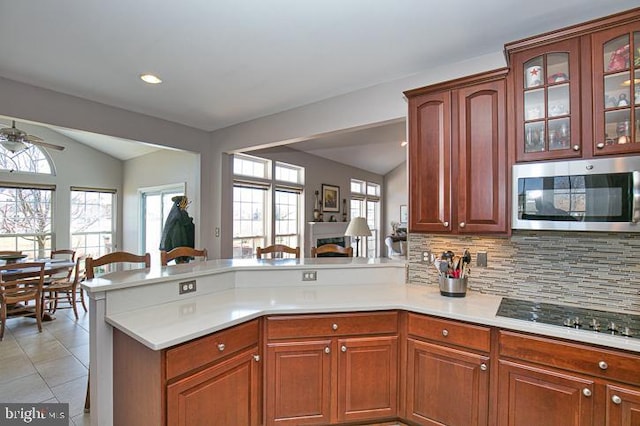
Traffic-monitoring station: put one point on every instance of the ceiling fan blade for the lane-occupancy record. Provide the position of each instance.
(46, 145)
(33, 139)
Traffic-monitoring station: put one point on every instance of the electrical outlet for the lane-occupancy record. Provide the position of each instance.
(481, 259)
(187, 287)
(217, 232)
(426, 257)
(309, 275)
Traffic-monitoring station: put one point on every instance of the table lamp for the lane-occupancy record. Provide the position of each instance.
(358, 228)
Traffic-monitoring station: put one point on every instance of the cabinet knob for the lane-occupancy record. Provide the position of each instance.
(327, 350)
(462, 224)
(445, 224)
(343, 348)
(256, 358)
(445, 332)
(586, 392)
(616, 399)
(603, 365)
(221, 347)
(576, 148)
(600, 145)
(483, 367)
(334, 326)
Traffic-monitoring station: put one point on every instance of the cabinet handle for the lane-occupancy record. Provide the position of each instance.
(343, 348)
(576, 148)
(603, 365)
(327, 350)
(334, 326)
(445, 224)
(445, 332)
(483, 367)
(616, 399)
(256, 358)
(462, 225)
(221, 347)
(600, 145)
(586, 392)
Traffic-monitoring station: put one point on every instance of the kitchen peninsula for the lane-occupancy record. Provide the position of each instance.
(264, 309)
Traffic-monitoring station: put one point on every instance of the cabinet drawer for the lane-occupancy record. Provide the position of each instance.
(197, 353)
(606, 363)
(450, 332)
(295, 326)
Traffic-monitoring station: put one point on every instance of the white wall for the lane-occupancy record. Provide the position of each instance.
(397, 194)
(158, 169)
(77, 165)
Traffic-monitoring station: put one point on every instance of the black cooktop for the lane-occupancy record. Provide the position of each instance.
(614, 323)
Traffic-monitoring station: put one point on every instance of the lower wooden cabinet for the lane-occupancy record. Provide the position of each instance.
(350, 375)
(222, 395)
(534, 396)
(447, 374)
(558, 383)
(446, 386)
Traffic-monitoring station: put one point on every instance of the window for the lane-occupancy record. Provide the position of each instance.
(265, 211)
(365, 202)
(26, 216)
(29, 160)
(92, 221)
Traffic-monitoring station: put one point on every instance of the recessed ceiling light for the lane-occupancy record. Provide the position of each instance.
(404, 143)
(150, 78)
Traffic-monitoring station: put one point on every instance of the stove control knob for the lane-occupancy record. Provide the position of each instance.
(603, 365)
(626, 332)
(612, 326)
(568, 322)
(577, 322)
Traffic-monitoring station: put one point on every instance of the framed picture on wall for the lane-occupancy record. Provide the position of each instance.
(330, 198)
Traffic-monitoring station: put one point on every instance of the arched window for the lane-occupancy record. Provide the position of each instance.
(32, 159)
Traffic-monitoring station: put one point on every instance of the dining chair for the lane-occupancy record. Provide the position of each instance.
(181, 252)
(66, 288)
(16, 293)
(277, 251)
(65, 254)
(332, 250)
(115, 259)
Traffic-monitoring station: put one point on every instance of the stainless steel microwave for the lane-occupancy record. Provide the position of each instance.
(578, 195)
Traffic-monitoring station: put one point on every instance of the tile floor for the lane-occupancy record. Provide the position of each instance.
(50, 366)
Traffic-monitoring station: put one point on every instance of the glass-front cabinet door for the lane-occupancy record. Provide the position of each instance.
(616, 86)
(547, 101)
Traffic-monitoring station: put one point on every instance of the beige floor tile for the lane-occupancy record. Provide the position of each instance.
(25, 389)
(82, 353)
(14, 367)
(9, 348)
(72, 392)
(61, 370)
(45, 349)
(83, 419)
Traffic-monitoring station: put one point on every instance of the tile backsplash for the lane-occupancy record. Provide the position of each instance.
(596, 269)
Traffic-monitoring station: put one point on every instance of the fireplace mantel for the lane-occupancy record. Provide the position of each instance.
(326, 230)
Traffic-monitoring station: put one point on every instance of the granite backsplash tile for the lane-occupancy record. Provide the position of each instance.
(598, 269)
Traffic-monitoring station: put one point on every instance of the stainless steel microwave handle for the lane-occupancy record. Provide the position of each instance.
(635, 208)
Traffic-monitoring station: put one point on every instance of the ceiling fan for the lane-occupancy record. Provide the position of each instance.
(15, 140)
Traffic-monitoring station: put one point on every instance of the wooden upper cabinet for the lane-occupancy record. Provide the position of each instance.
(430, 162)
(458, 156)
(616, 90)
(547, 100)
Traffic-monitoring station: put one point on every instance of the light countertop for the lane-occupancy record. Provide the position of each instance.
(164, 325)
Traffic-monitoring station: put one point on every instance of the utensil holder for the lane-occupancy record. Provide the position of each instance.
(453, 287)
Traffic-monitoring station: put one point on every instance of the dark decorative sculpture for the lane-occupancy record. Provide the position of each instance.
(179, 230)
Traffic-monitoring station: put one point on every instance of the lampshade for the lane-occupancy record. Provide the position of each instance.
(13, 146)
(358, 228)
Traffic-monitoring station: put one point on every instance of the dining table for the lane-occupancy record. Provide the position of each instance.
(51, 267)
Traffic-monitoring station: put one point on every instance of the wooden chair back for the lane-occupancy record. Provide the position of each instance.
(116, 257)
(276, 250)
(15, 293)
(67, 289)
(168, 256)
(62, 254)
(334, 249)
